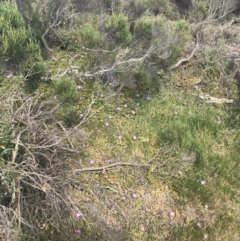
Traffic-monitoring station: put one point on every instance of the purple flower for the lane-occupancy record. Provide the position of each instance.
(78, 231)
(124, 198)
(10, 75)
(203, 182)
(91, 162)
(81, 115)
(78, 215)
(134, 137)
(148, 97)
(103, 171)
(199, 224)
(119, 227)
(134, 195)
(40, 112)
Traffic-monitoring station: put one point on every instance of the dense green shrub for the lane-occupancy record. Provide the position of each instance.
(68, 39)
(200, 10)
(118, 28)
(73, 39)
(32, 68)
(16, 44)
(90, 36)
(143, 27)
(13, 34)
(66, 90)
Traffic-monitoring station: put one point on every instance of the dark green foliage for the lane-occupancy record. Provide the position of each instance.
(66, 90)
(90, 37)
(143, 28)
(16, 45)
(13, 34)
(118, 28)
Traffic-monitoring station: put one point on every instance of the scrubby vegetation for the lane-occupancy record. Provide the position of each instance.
(119, 120)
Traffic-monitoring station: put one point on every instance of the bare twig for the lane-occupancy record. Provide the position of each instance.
(89, 169)
(181, 61)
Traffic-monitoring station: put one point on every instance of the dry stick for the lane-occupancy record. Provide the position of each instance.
(66, 134)
(119, 164)
(15, 151)
(181, 61)
(109, 166)
(69, 68)
(54, 24)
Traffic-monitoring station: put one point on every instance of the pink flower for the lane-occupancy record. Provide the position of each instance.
(171, 214)
(203, 182)
(81, 115)
(148, 97)
(120, 137)
(79, 87)
(134, 195)
(10, 75)
(125, 105)
(110, 117)
(78, 215)
(124, 198)
(78, 231)
(40, 112)
(107, 124)
(199, 224)
(91, 162)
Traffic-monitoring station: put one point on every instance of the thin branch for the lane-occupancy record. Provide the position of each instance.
(89, 169)
(181, 61)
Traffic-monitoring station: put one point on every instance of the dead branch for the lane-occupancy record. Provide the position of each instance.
(56, 21)
(89, 169)
(217, 10)
(210, 99)
(181, 61)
